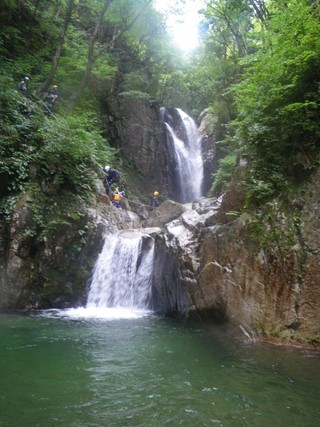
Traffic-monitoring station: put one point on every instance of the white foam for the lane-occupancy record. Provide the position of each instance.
(113, 313)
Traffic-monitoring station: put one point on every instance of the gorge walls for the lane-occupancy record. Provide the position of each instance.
(209, 260)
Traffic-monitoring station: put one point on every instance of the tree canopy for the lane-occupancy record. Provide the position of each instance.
(262, 62)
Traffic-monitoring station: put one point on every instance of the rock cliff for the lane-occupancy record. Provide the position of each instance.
(262, 276)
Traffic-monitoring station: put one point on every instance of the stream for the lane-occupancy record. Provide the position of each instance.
(71, 368)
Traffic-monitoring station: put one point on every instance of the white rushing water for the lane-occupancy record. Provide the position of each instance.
(122, 274)
(188, 156)
(121, 281)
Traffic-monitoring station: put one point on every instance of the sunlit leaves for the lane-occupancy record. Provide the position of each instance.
(278, 101)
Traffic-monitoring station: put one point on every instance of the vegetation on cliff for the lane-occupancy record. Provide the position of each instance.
(99, 53)
(262, 62)
(50, 160)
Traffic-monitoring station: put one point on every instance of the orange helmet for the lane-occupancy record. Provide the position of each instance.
(117, 197)
(156, 193)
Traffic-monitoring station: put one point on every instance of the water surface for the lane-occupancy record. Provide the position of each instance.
(67, 369)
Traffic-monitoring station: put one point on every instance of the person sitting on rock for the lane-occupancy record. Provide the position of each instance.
(116, 201)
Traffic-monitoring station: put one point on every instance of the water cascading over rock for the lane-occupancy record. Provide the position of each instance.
(123, 271)
(185, 165)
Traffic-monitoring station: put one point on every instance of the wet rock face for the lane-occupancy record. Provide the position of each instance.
(211, 264)
(173, 118)
(310, 234)
(211, 151)
(243, 285)
(176, 265)
(206, 263)
(169, 293)
(142, 141)
(139, 142)
(13, 275)
(220, 271)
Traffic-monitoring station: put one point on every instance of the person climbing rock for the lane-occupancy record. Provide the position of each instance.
(111, 176)
(51, 99)
(154, 200)
(23, 86)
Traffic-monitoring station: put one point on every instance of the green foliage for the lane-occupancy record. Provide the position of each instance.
(130, 51)
(44, 157)
(70, 149)
(52, 215)
(217, 66)
(224, 174)
(6, 207)
(260, 69)
(261, 191)
(278, 101)
(230, 22)
(136, 94)
(210, 79)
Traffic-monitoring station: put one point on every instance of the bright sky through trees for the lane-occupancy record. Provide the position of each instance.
(184, 27)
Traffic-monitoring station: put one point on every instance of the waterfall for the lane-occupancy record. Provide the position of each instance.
(123, 271)
(188, 164)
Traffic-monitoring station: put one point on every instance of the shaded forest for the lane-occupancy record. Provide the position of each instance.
(257, 71)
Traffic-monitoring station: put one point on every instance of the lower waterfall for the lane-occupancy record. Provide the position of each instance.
(122, 275)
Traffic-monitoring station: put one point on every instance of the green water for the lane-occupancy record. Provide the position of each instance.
(149, 371)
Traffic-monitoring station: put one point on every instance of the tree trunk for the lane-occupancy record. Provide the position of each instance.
(260, 9)
(91, 54)
(55, 61)
(91, 57)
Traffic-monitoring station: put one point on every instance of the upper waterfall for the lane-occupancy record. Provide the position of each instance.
(186, 159)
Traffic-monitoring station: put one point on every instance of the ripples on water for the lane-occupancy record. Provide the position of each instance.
(76, 368)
